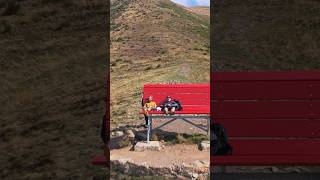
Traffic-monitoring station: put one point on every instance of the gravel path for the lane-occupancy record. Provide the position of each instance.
(169, 156)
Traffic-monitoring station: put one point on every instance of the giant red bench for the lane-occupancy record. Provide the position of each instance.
(272, 118)
(195, 100)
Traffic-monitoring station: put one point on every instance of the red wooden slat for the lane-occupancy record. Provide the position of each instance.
(187, 94)
(264, 109)
(180, 96)
(189, 102)
(315, 90)
(176, 85)
(275, 147)
(264, 160)
(270, 127)
(264, 90)
(177, 89)
(270, 76)
(188, 110)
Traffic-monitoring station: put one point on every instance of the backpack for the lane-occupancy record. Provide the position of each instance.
(219, 140)
(179, 107)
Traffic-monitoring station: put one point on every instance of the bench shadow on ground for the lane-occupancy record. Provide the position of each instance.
(140, 134)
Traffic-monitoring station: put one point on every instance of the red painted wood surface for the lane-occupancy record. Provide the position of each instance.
(187, 110)
(266, 90)
(266, 109)
(264, 76)
(264, 160)
(294, 147)
(194, 98)
(270, 117)
(185, 99)
(271, 127)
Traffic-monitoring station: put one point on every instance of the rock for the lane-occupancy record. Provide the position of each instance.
(122, 164)
(194, 175)
(140, 136)
(206, 163)
(200, 166)
(117, 142)
(275, 169)
(304, 169)
(130, 133)
(118, 133)
(205, 145)
(297, 169)
(151, 146)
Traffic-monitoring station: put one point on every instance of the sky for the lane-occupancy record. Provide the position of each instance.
(191, 3)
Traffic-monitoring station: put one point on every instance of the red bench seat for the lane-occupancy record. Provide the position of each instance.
(188, 110)
(194, 98)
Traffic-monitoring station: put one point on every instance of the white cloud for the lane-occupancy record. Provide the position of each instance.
(203, 2)
(190, 3)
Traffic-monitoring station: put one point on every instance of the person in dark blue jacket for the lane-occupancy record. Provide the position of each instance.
(169, 106)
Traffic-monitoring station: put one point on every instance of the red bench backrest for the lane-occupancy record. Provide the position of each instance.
(273, 104)
(190, 95)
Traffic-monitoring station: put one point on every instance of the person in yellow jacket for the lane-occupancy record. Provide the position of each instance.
(148, 106)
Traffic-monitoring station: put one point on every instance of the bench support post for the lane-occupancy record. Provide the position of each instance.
(173, 118)
(149, 127)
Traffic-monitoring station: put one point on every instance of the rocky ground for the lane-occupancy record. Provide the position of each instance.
(172, 160)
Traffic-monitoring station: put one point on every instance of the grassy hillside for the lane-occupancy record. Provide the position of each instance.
(200, 10)
(52, 70)
(253, 35)
(153, 41)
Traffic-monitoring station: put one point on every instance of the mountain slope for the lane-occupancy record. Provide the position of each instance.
(153, 41)
(253, 35)
(52, 74)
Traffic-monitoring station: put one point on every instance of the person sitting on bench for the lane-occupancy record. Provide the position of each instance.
(148, 106)
(170, 105)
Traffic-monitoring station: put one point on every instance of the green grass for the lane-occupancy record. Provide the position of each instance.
(193, 23)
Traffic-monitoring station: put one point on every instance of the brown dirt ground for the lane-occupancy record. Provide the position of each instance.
(181, 126)
(174, 155)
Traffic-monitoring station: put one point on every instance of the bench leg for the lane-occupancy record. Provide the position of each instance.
(149, 128)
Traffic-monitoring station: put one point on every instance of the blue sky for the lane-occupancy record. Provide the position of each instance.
(190, 3)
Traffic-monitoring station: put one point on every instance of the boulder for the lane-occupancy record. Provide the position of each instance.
(118, 133)
(130, 134)
(144, 146)
(205, 146)
(141, 136)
